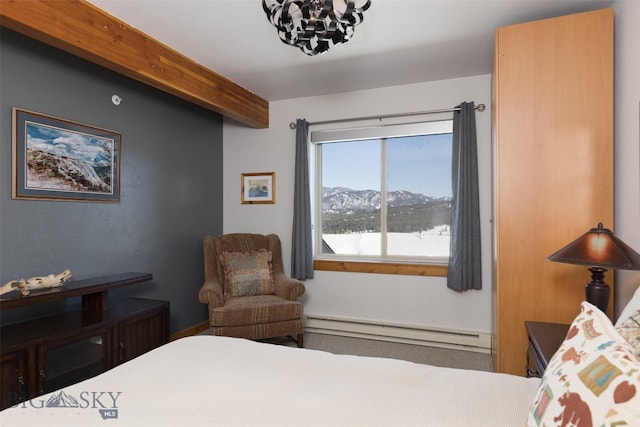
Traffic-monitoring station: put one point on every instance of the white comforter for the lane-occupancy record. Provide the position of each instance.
(217, 381)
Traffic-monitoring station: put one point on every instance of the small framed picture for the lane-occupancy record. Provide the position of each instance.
(59, 159)
(259, 188)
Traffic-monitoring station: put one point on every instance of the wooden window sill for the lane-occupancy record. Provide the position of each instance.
(382, 268)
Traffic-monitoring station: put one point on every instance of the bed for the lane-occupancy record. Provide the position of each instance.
(209, 380)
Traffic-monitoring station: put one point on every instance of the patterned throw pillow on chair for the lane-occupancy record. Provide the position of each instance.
(247, 273)
(592, 380)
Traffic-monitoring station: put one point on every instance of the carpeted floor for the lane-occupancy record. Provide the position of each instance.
(414, 353)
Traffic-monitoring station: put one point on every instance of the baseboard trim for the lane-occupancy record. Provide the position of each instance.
(193, 330)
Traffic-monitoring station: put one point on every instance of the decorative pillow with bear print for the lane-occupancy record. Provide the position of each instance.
(631, 307)
(630, 330)
(592, 380)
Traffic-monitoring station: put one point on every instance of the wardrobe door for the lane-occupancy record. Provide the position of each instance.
(553, 168)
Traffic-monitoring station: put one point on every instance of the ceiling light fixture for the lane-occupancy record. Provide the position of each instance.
(314, 25)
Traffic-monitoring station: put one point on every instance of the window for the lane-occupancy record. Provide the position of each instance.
(384, 194)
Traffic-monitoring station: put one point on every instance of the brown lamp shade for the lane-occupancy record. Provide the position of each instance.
(598, 248)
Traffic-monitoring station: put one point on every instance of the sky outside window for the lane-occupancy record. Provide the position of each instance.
(416, 164)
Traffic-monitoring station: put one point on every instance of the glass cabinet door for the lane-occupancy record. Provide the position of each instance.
(72, 361)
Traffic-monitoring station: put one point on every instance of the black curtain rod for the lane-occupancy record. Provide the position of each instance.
(479, 107)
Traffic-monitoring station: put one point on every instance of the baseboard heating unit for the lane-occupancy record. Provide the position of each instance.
(398, 332)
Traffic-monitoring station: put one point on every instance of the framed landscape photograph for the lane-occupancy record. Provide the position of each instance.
(59, 159)
(259, 187)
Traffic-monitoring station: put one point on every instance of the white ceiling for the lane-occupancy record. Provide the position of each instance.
(399, 42)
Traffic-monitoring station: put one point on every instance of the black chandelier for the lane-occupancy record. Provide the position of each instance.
(314, 25)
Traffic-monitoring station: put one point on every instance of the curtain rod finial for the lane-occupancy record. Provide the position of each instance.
(292, 125)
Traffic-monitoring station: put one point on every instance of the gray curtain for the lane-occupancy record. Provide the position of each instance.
(465, 253)
(301, 247)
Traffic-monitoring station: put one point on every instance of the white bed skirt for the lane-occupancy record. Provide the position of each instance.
(218, 381)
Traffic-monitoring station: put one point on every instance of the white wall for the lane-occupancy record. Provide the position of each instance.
(392, 298)
(627, 139)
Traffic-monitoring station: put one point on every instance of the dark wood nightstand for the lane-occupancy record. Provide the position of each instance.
(544, 341)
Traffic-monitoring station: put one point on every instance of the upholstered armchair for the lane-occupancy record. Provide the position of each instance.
(246, 289)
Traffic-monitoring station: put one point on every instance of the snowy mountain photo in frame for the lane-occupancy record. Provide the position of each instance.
(259, 188)
(58, 159)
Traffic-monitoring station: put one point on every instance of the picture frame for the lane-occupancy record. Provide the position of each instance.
(63, 160)
(259, 188)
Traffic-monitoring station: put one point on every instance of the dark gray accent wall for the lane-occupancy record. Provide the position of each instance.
(171, 183)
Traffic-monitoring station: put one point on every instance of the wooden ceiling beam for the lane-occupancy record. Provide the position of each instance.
(80, 28)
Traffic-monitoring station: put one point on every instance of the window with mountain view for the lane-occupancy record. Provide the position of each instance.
(386, 197)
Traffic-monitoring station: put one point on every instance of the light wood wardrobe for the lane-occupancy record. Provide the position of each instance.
(553, 168)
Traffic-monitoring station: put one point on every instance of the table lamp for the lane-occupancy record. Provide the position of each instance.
(600, 249)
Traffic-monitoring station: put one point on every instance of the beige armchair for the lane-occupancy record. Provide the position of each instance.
(270, 314)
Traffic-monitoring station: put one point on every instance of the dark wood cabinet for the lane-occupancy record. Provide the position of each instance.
(45, 354)
(544, 340)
